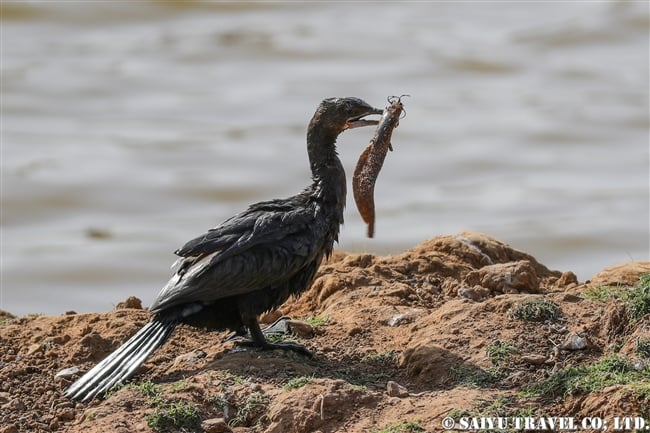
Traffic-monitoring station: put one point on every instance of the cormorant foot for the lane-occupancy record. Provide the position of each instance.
(274, 346)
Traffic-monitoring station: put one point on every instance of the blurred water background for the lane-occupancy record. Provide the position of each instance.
(130, 127)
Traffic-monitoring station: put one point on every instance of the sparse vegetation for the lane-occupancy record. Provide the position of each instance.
(403, 427)
(643, 348)
(502, 406)
(318, 321)
(470, 375)
(180, 385)
(610, 370)
(219, 401)
(387, 357)
(603, 293)
(536, 311)
(636, 298)
(641, 392)
(362, 378)
(148, 388)
(167, 413)
(638, 303)
(298, 382)
(179, 414)
(252, 408)
(500, 353)
(279, 338)
(48, 345)
(232, 379)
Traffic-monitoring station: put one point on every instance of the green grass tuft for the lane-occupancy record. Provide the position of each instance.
(298, 382)
(318, 321)
(148, 388)
(641, 392)
(253, 407)
(611, 370)
(167, 414)
(536, 311)
(636, 298)
(643, 348)
(638, 303)
(601, 294)
(387, 357)
(177, 414)
(500, 353)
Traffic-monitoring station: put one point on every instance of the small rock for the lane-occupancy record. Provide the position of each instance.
(11, 428)
(396, 320)
(574, 342)
(399, 290)
(534, 359)
(626, 274)
(559, 329)
(130, 302)
(15, 405)
(54, 424)
(64, 404)
(393, 401)
(67, 372)
(36, 347)
(396, 390)
(301, 329)
(516, 378)
(566, 279)
(399, 319)
(611, 389)
(476, 293)
(190, 357)
(512, 277)
(215, 425)
(640, 364)
(568, 297)
(4, 397)
(67, 414)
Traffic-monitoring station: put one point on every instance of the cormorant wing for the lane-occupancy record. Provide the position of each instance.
(260, 248)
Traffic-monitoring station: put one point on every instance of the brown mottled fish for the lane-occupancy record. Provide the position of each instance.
(371, 161)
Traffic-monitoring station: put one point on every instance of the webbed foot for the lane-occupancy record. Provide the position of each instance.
(297, 348)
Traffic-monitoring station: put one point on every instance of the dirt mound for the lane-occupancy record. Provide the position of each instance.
(457, 326)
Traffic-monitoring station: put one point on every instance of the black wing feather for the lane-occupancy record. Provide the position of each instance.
(261, 247)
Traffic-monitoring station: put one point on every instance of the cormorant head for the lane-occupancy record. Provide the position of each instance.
(339, 114)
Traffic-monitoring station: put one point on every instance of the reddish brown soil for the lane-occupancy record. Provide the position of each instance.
(419, 319)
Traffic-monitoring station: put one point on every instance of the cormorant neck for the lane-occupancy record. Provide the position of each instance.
(323, 158)
(327, 171)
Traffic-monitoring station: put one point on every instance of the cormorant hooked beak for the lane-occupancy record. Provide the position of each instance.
(359, 121)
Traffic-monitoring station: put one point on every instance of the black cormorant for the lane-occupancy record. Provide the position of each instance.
(252, 262)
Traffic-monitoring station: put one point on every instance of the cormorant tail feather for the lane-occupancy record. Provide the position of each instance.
(123, 362)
